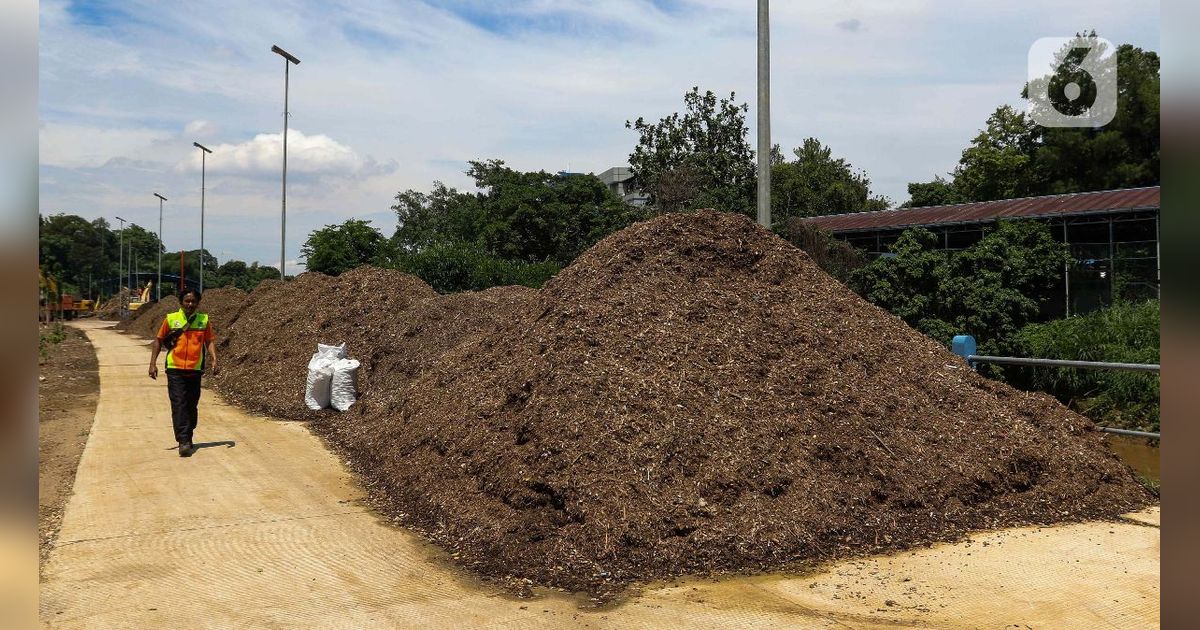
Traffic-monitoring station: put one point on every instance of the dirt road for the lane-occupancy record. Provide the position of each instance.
(263, 527)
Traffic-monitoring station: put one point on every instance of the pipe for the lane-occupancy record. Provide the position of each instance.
(1131, 367)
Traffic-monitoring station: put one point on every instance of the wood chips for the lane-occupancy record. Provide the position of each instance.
(692, 395)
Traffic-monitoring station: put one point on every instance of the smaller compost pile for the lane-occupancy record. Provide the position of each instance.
(222, 305)
(691, 395)
(111, 308)
(392, 322)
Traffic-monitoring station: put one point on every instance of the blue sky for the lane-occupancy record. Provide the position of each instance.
(394, 95)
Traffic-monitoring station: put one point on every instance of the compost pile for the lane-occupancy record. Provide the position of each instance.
(692, 395)
(146, 320)
(111, 308)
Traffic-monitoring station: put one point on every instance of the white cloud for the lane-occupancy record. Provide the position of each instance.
(316, 155)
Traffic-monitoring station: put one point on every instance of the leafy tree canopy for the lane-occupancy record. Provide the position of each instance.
(1013, 157)
(528, 217)
(83, 257)
(335, 249)
(816, 183)
(236, 273)
(989, 290)
(700, 159)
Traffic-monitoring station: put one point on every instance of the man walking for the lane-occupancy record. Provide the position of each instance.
(188, 338)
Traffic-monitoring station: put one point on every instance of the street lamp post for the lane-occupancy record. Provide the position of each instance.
(121, 264)
(131, 263)
(203, 152)
(288, 60)
(158, 282)
(764, 115)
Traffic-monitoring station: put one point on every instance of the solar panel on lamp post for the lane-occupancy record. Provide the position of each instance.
(158, 281)
(204, 151)
(288, 60)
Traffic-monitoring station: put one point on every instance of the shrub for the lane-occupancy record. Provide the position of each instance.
(1123, 333)
(452, 267)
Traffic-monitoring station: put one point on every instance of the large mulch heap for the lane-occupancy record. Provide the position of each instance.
(692, 395)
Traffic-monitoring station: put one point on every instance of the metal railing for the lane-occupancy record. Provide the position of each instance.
(964, 346)
(1100, 365)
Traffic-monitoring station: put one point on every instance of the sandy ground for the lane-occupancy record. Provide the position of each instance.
(263, 527)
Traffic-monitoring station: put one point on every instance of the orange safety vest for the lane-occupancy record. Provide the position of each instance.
(188, 353)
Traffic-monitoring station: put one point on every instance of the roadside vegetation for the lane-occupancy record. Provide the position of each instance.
(49, 335)
(1123, 333)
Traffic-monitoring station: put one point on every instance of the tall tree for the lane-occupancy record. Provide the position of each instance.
(529, 217)
(335, 249)
(1123, 153)
(816, 183)
(80, 254)
(698, 159)
(938, 192)
(442, 215)
(989, 290)
(997, 164)
(1013, 157)
(236, 273)
(141, 250)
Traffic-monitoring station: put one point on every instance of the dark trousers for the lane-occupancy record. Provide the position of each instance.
(183, 386)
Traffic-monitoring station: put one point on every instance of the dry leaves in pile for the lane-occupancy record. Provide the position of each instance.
(692, 395)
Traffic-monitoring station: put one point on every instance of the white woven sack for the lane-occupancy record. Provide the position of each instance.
(344, 385)
(338, 351)
(320, 375)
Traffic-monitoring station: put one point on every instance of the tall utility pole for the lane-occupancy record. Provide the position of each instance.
(203, 152)
(288, 60)
(764, 115)
(158, 282)
(121, 264)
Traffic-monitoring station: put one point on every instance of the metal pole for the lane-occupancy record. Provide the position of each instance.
(121, 265)
(203, 155)
(764, 115)
(1067, 271)
(158, 281)
(1112, 264)
(1131, 367)
(204, 151)
(1145, 434)
(283, 204)
(288, 58)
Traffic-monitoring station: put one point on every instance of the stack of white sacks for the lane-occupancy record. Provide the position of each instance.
(332, 379)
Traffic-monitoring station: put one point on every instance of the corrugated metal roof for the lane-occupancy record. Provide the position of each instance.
(984, 211)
